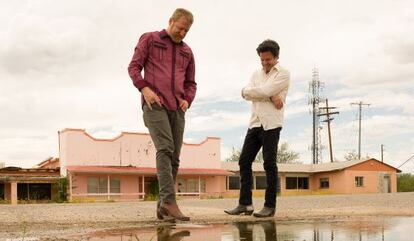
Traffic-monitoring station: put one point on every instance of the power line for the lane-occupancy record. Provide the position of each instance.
(406, 161)
(359, 136)
(328, 120)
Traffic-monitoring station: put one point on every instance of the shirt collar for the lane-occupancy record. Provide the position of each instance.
(163, 34)
(276, 67)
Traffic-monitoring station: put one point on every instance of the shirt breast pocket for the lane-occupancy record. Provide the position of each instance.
(183, 59)
(159, 50)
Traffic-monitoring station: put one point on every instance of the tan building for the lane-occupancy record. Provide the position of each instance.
(28, 184)
(349, 177)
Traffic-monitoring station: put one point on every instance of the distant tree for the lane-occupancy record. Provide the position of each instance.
(284, 155)
(353, 156)
(234, 156)
(405, 182)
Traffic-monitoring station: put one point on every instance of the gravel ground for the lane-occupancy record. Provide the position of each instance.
(45, 220)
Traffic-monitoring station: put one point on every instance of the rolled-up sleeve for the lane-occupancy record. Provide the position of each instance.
(138, 62)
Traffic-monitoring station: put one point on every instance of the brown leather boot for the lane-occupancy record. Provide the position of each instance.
(171, 209)
(162, 215)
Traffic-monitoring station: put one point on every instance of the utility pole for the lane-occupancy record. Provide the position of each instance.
(382, 153)
(315, 87)
(359, 117)
(328, 120)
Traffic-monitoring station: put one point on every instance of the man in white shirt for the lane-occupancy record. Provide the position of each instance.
(267, 91)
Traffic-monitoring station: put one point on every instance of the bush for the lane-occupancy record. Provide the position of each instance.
(405, 182)
(153, 192)
(62, 187)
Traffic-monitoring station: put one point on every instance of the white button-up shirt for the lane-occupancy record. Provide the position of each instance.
(261, 87)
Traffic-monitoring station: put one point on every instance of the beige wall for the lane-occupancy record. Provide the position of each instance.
(215, 184)
(337, 182)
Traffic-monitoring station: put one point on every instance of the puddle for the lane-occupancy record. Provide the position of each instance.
(364, 228)
(381, 228)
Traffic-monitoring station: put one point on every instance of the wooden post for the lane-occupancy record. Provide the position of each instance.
(13, 193)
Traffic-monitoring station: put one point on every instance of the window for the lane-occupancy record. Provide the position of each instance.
(303, 183)
(324, 183)
(297, 183)
(93, 185)
(191, 185)
(103, 185)
(234, 183)
(34, 191)
(261, 182)
(115, 185)
(359, 181)
(97, 185)
(203, 185)
(291, 183)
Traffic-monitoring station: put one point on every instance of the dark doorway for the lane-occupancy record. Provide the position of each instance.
(34, 191)
(2, 191)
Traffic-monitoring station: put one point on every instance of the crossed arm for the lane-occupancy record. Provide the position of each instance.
(273, 90)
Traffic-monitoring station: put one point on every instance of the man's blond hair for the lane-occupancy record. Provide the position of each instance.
(181, 12)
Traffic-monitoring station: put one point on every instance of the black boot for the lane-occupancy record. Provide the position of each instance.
(265, 212)
(241, 209)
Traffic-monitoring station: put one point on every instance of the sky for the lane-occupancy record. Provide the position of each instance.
(63, 64)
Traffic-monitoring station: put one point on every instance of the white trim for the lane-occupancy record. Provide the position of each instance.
(109, 186)
(70, 186)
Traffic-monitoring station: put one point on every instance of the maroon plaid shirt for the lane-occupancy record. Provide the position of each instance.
(169, 69)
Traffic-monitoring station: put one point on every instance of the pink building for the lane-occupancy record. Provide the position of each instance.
(124, 167)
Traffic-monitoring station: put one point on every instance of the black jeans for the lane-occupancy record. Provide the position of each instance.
(255, 139)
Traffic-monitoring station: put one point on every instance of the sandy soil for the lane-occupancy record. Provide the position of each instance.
(52, 220)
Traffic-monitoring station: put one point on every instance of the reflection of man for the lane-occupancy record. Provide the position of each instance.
(269, 229)
(245, 231)
(168, 89)
(164, 234)
(267, 91)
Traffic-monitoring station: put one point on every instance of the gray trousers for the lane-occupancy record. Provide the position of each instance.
(166, 129)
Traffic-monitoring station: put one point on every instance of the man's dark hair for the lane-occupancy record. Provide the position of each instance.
(269, 46)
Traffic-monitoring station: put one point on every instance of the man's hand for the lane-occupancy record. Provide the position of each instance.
(184, 105)
(277, 102)
(150, 97)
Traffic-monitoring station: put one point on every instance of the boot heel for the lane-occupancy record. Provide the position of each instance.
(248, 212)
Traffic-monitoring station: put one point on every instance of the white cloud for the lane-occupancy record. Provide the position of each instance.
(64, 65)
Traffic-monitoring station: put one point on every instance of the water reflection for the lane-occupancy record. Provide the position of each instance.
(246, 232)
(390, 229)
(167, 233)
